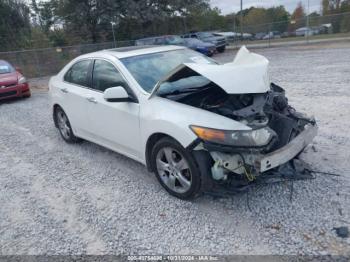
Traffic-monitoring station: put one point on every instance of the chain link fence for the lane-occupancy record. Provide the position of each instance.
(291, 32)
(49, 61)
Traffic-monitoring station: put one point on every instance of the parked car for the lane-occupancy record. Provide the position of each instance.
(161, 40)
(207, 49)
(193, 43)
(259, 36)
(198, 125)
(272, 35)
(247, 36)
(209, 37)
(229, 36)
(12, 82)
(302, 31)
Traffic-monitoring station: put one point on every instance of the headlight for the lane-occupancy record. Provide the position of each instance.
(22, 80)
(247, 138)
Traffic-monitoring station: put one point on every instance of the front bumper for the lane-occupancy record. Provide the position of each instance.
(287, 152)
(207, 51)
(228, 160)
(220, 45)
(15, 91)
(232, 171)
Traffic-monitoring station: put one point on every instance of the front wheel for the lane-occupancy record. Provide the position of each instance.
(176, 169)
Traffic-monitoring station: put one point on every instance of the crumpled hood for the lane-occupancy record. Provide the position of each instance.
(248, 73)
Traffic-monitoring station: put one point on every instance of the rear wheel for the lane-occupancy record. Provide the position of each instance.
(64, 126)
(175, 169)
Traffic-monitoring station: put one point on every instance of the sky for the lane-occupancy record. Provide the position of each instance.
(229, 6)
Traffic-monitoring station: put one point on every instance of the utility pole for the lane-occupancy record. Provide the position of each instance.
(185, 26)
(307, 21)
(234, 29)
(241, 22)
(113, 24)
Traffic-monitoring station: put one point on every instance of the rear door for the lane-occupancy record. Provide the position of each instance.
(73, 89)
(113, 124)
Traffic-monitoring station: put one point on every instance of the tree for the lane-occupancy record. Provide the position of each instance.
(43, 14)
(315, 19)
(155, 16)
(14, 24)
(297, 18)
(332, 11)
(256, 20)
(83, 16)
(325, 7)
(279, 17)
(345, 23)
(264, 20)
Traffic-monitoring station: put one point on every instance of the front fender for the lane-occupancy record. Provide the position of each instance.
(161, 115)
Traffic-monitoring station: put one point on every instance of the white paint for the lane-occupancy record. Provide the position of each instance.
(125, 127)
(247, 74)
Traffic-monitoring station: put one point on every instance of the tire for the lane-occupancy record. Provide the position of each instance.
(221, 49)
(64, 126)
(176, 169)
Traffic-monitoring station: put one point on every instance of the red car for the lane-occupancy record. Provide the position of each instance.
(12, 82)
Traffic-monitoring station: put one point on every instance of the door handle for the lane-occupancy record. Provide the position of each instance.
(64, 90)
(92, 100)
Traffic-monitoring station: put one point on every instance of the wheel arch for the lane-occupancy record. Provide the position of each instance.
(54, 108)
(151, 141)
(202, 159)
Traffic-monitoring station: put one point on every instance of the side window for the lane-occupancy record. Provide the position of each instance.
(78, 73)
(105, 75)
(193, 36)
(159, 41)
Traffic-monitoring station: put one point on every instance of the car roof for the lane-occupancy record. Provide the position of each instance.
(154, 37)
(136, 50)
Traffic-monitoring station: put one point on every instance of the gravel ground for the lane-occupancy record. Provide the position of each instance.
(58, 198)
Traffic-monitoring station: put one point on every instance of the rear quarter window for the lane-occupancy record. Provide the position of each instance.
(79, 73)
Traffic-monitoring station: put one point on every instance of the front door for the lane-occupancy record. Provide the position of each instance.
(114, 125)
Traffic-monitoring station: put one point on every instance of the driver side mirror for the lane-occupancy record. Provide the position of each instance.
(117, 94)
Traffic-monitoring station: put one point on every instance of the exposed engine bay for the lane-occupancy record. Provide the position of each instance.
(241, 166)
(255, 110)
(270, 133)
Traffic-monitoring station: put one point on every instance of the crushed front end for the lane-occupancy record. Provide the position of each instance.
(267, 134)
(268, 152)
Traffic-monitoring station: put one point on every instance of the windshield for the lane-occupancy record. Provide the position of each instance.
(150, 68)
(174, 40)
(5, 68)
(184, 81)
(205, 34)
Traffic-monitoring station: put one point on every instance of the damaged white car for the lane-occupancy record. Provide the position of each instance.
(198, 125)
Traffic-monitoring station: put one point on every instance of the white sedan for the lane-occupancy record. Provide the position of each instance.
(198, 125)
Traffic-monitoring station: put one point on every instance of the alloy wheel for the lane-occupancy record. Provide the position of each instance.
(173, 170)
(63, 124)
